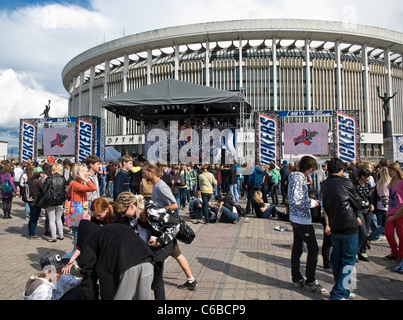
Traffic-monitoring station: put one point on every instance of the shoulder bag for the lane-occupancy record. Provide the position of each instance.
(185, 234)
(49, 197)
(75, 211)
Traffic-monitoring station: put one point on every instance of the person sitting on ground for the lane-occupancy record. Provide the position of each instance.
(195, 207)
(227, 212)
(50, 284)
(263, 210)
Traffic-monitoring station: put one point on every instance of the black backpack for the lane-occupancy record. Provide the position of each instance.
(28, 195)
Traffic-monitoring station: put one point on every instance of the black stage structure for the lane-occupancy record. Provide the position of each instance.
(170, 100)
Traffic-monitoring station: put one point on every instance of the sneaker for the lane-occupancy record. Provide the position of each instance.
(315, 287)
(188, 285)
(299, 284)
(363, 257)
(350, 297)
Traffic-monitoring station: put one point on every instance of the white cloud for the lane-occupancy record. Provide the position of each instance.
(23, 97)
(38, 41)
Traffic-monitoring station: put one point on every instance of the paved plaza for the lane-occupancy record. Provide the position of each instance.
(245, 261)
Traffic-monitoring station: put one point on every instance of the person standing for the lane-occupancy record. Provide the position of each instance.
(93, 163)
(136, 174)
(17, 173)
(78, 191)
(277, 179)
(7, 198)
(207, 184)
(122, 179)
(35, 210)
(55, 211)
(303, 231)
(394, 218)
(233, 182)
(162, 195)
(381, 199)
(365, 213)
(341, 203)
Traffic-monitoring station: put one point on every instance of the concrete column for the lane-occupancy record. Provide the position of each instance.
(80, 91)
(308, 75)
(91, 98)
(207, 63)
(240, 65)
(339, 99)
(149, 65)
(125, 71)
(274, 58)
(367, 114)
(176, 71)
(106, 86)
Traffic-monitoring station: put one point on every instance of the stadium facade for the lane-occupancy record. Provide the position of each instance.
(279, 65)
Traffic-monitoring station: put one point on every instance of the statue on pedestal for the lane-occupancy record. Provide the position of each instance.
(385, 100)
(45, 112)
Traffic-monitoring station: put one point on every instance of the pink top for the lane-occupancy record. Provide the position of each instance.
(7, 176)
(395, 198)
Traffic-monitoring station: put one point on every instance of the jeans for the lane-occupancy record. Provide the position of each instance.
(110, 188)
(55, 214)
(326, 249)
(366, 217)
(377, 225)
(27, 209)
(102, 186)
(178, 202)
(345, 248)
(233, 188)
(304, 233)
(183, 193)
(68, 255)
(274, 197)
(35, 212)
(206, 212)
(227, 216)
(271, 211)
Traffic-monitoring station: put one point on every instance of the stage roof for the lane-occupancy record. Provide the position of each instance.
(173, 99)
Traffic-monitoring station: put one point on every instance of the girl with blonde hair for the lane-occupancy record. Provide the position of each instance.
(380, 199)
(394, 216)
(157, 226)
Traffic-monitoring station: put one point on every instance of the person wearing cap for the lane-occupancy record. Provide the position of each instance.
(50, 284)
(37, 189)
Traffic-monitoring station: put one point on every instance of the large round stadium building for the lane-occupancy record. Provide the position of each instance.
(278, 65)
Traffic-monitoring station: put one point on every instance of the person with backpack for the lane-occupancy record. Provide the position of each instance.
(8, 190)
(136, 174)
(35, 186)
(55, 212)
(28, 173)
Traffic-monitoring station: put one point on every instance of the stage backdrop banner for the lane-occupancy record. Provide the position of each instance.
(306, 138)
(59, 141)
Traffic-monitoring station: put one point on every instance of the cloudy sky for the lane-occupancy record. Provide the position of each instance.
(38, 38)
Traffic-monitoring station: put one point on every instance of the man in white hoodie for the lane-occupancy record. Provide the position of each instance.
(50, 284)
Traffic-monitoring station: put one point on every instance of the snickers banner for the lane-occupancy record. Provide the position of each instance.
(347, 137)
(27, 141)
(85, 137)
(267, 138)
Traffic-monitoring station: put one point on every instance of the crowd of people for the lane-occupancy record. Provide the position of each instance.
(356, 203)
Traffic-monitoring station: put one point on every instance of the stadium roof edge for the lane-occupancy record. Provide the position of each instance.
(233, 30)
